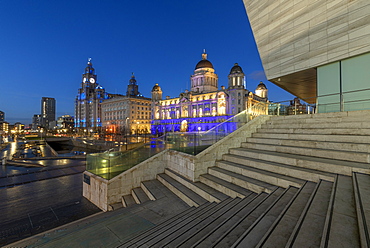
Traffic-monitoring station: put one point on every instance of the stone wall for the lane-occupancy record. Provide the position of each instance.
(96, 190)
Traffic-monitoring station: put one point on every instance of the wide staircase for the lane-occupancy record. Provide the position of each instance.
(299, 181)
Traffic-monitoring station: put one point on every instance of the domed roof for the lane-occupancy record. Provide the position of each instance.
(261, 86)
(236, 69)
(156, 88)
(204, 63)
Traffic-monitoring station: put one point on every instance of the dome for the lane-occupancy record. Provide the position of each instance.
(156, 88)
(204, 63)
(236, 69)
(261, 86)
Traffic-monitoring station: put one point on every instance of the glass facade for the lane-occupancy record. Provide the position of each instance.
(344, 85)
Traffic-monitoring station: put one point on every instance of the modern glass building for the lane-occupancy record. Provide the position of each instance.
(317, 50)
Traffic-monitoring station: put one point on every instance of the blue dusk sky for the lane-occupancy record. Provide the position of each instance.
(45, 46)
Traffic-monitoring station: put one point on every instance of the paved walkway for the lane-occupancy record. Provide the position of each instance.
(36, 199)
(108, 229)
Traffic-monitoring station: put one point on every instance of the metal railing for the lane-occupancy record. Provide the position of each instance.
(335, 102)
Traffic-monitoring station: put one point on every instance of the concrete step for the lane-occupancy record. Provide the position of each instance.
(341, 146)
(288, 170)
(361, 184)
(128, 200)
(315, 163)
(184, 217)
(260, 174)
(190, 240)
(201, 189)
(209, 238)
(231, 236)
(279, 232)
(138, 236)
(341, 216)
(361, 157)
(154, 189)
(342, 124)
(225, 187)
(139, 195)
(331, 131)
(361, 139)
(249, 183)
(324, 117)
(258, 229)
(183, 232)
(161, 238)
(185, 194)
(309, 228)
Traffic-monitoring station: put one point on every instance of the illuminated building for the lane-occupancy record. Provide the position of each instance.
(205, 106)
(129, 114)
(2, 116)
(87, 103)
(18, 127)
(65, 122)
(36, 122)
(47, 112)
(4, 127)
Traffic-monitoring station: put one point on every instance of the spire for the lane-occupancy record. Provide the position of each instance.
(204, 54)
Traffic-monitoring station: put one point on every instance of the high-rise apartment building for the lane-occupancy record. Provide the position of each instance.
(47, 112)
(2, 116)
(87, 103)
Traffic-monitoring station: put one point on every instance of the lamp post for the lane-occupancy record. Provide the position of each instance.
(199, 128)
(127, 118)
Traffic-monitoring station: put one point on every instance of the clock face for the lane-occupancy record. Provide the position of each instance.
(92, 80)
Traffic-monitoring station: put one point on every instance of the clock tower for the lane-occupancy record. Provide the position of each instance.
(87, 103)
(89, 77)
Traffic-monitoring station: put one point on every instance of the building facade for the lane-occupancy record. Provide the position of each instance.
(2, 116)
(47, 112)
(317, 50)
(87, 103)
(66, 122)
(205, 105)
(129, 114)
(36, 122)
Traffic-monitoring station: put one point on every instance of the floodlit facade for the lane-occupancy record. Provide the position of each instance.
(87, 103)
(204, 106)
(317, 50)
(129, 114)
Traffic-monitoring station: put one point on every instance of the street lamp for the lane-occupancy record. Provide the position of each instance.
(199, 128)
(127, 118)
